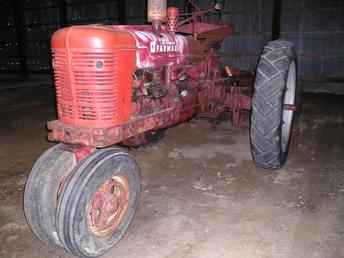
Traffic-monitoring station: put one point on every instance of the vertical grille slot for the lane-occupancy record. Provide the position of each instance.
(62, 84)
(86, 87)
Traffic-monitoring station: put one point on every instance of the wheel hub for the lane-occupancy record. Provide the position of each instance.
(288, 106)
(108, 206)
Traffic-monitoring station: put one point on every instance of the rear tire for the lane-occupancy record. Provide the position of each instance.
(98, 203)
(41, 192)
(275, 93)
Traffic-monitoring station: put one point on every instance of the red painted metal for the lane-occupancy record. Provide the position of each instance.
(108, 206)
(102, 137)
(172, 19)
(289, 107)
(93, 68)
(115, 83)
(237, 102)
(81, 152)
(203, 29)
(156, 49)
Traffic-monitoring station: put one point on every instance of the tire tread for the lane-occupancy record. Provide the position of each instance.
(269, 88)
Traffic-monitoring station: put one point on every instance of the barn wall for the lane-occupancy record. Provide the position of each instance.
(252, 20)
(9, 51)
(316, 27)
(40, 18)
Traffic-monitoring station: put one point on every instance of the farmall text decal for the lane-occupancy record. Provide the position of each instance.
(163, 46)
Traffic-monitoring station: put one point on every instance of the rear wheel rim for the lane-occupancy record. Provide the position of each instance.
(288, 100)
(108, 206)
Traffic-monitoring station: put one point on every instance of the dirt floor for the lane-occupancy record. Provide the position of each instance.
(202, 195)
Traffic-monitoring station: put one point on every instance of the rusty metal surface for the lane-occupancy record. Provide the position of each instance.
(108, 206)
(102, 137)
(177, 77)
(206, 98)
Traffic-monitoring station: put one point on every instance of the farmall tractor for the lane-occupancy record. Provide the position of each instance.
(123, 84)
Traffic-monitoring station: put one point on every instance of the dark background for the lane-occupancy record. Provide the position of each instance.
(315, 26)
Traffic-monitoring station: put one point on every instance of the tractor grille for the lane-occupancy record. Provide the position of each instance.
(86, 87)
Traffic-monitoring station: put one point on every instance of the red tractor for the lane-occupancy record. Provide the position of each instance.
(121, 85)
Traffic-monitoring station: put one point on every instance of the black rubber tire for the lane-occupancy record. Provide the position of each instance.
(267, 104)
(100, 166)
(41, 190)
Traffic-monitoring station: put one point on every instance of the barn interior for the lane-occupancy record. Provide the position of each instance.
(201, 193)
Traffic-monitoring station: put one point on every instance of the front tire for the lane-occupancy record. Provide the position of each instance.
(98, 203)
(273, 105)
(42, 189)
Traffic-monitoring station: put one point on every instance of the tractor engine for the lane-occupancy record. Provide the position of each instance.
(120, 83)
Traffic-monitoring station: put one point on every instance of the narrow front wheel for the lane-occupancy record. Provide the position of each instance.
(42, 190)
(98, 202)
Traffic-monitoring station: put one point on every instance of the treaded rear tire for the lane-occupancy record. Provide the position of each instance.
(269, 146)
